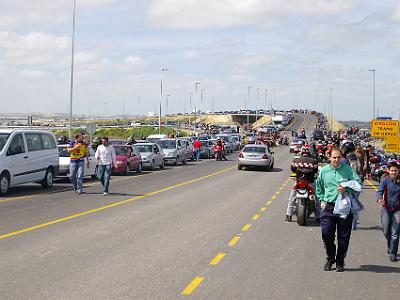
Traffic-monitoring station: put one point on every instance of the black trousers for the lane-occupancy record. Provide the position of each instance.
(330, 224)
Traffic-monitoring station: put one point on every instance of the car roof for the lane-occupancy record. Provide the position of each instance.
(144, 144)
(256, 145)
(10, 130)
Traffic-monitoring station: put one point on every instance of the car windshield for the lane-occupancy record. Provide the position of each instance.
(3, 140)
(298, 142)
(121, 150)
(62, 152)
(143, 148)
(224, 138)
(254, 149)
(167, 144)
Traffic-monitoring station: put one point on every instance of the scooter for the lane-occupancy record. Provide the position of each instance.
(218, 152)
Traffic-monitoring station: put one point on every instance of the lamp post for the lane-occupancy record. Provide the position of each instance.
(161, 97)
(195, 106)
(201, 102)
(331, 103)
(258, 99)
(190, 108)
(248, 101)
(138, 102)
(166, 102)
(71, 92)
(373, 93)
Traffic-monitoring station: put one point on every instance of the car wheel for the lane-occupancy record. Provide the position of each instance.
(176, 161)
(152, 166)
(47, 181)
(162, 166)
(4, 184)
(272, 165)
(127, 169)
(139, 169)
(184, 162)
(240, 167)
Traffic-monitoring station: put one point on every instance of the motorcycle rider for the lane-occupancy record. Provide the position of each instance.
(302, 166)
(220, 143)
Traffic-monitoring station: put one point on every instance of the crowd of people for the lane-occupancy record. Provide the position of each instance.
(338, 180)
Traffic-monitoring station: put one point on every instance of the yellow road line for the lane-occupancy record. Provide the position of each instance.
(262, 209)
(101, 208)
(217, 259)
(372, 185)
(273, 197)
(255, 217)
(234, 241)
(277, 193)
(192, 286)
(246, 227)
(15, 198)
(269, 202)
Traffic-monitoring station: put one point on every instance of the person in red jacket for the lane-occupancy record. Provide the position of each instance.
(197, 147)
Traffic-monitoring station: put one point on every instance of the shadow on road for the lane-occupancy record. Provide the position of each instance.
(374, 269)
(370, 228)
(276, 170)
(112, 194)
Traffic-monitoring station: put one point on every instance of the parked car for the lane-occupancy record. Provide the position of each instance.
(64, 162)
(173, 151)
(256, 156)
(27, 156)
(187, 148)
(152, 138)
(128, 159)
(207, 149)
(296, 144)
(152, 155)
(117, 142)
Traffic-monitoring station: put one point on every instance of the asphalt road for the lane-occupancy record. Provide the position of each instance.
(201, 231)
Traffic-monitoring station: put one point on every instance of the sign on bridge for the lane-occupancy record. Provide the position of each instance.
(385, 128)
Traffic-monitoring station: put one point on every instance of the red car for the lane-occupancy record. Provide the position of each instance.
(128, 159)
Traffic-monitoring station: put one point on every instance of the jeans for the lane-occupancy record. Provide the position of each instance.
(197, 152)
(329, 224)
(104, 173)
(391, 227)
(76, 171)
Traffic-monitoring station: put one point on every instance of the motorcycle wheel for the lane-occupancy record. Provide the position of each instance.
(301, 212)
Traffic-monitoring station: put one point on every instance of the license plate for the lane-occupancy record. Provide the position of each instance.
(302, 195)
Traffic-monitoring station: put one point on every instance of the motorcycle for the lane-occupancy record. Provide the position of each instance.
(218, 152)
(305, 200)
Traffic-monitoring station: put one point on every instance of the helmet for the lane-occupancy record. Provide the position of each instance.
(348, 147)
(305, 151)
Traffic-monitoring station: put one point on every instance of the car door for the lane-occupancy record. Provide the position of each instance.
(17, 160)
(160, 154)
(92, 163)
(37, 158)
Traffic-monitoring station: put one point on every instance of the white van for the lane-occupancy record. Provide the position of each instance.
(27, 156)
(152, 138)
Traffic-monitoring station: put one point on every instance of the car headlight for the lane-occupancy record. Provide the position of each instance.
(145, 160)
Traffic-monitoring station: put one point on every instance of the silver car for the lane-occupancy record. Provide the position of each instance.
(187, 146)
(227, 139)
(152, 155)
(256, 156)
(173, 151)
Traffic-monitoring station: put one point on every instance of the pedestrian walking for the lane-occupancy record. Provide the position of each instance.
(105, 155)
(328, 189)
(197, 148)
(78, 150)
(388, 196)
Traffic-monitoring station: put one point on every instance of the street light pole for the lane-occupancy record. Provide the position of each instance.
(331, 98)
(190, 108)
(161, 97)
(72, 70)
(248, 101)
(166, 102)
(139, 111)
(373, 93)
(258, 100)
(195, 106)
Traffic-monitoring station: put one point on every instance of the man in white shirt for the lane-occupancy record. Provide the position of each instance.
(105, 155)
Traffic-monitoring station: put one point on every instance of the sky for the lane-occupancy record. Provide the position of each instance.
(292, 53)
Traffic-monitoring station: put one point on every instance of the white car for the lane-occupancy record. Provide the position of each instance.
(64, 161)
(173, 151)
(256, 156)
(152, 155)
(27, 156)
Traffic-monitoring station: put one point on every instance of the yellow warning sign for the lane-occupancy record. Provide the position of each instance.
(393, 144)
(385, 128)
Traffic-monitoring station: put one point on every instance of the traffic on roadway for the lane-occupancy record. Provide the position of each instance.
(217, 215)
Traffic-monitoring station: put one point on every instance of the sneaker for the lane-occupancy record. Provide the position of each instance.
(392, 258)
(328, 265)
(105, 194)
(288, 218)
(339, 266)
(79, 192)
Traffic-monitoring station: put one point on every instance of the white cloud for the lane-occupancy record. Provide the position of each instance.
(134, 62)
(191, 14)
(257, 59)
(192, 54)
(396, 14)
